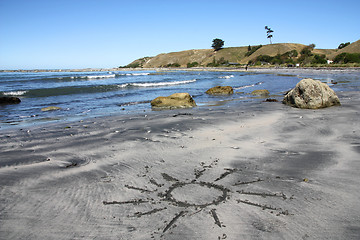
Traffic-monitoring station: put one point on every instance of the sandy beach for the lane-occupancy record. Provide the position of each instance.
(248, 171)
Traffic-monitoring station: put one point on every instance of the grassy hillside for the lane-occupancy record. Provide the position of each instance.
(182, 58)
(352, 48)
(233, 55)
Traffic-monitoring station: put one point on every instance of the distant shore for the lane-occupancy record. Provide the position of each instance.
(225, 69)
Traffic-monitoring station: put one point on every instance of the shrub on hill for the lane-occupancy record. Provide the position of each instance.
(306, 55)
(347, 58)
(192, 64)
(171, 65)
(131, 65)
(291, 54)
(218, 63)
(319, 59)
(278, 59)
(306, 52)
(251, 50)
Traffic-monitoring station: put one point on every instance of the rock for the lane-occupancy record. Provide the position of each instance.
(311, 94)
(271, 100)
(9, 100)
(220, 90)
(51, 108)
(261, 92)
(176, 100)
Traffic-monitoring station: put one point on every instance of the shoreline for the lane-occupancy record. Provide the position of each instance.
(250, 171)
(230, 69)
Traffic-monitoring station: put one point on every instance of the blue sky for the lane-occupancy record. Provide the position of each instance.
(49, 34)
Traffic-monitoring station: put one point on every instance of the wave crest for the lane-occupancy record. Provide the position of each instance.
(247, 86)
(227, 77)
(101, 76)
(158, 84)
(14, 93)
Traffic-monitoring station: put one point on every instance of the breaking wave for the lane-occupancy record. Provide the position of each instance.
(248, 86)
(158, 84)
(136, 74)
(227, 77)
(95, 76)
(14, 93)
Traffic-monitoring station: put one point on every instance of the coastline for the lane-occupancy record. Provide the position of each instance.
(250, 171)
(229, 69)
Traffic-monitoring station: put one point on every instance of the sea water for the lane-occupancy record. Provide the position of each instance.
(90, 94)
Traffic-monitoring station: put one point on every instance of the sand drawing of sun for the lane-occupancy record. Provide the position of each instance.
(193, 196)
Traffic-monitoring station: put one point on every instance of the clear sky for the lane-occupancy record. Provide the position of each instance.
(50, 34)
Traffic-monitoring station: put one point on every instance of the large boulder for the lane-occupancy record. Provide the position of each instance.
(176, 100)
(9, 100)
(220, 90)
(311, 94)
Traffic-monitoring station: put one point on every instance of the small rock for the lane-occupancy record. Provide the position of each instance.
(220, 90)
(9, 100)
(176, 100)
(260, 92)
(271, 100)
(51, 108)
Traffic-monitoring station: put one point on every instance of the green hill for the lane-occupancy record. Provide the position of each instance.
(235, 55)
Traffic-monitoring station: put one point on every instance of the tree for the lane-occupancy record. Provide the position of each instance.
(319, 59)
(217, 44)
(306, 51)
(342, 45)
(269, 33)
(312, 46)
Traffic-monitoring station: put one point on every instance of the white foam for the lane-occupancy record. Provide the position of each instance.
(100, 76)
(227, 77)
(137, 74)
(247, 86)
(14, 93)
(140, 74)
(159, 84)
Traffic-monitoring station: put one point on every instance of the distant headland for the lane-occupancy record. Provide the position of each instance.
(279, 54)
(255, 56)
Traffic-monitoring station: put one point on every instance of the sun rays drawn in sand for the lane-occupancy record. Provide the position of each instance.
(191, 197)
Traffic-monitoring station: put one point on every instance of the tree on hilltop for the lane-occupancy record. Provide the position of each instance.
(312, 46)
(342, 45)
(217, 44)
(269, 33)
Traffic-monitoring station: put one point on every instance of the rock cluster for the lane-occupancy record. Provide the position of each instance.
(311, 94)
(308, 93)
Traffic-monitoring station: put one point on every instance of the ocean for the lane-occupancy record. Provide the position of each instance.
(92, 94)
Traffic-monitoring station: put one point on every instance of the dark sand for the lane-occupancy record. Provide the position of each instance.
(249, 171)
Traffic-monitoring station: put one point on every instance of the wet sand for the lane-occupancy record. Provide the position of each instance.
(248, 171)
